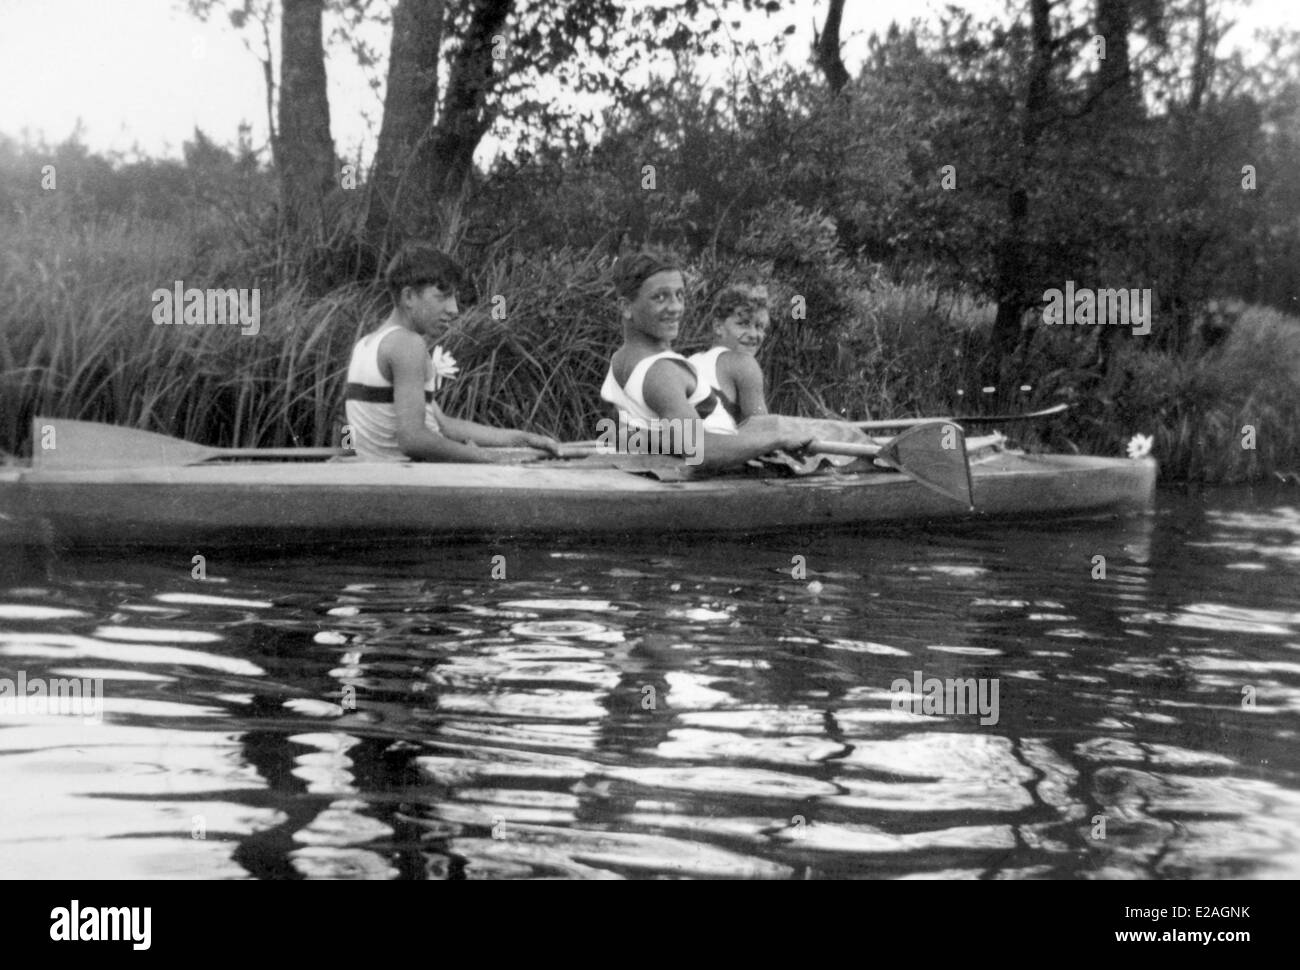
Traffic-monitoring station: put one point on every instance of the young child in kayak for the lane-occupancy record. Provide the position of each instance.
(650, 384)
(391, 378)
(740, 322)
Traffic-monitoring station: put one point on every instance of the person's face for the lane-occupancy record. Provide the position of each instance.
(744, 329)
(431, 309)
(656, 310)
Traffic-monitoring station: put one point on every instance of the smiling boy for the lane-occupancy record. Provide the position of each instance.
(740, 322)
(391, 378)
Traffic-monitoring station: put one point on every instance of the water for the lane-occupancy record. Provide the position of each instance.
(664, 710)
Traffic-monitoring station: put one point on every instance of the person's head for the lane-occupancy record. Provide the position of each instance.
(740, 317)
(423, 282)
(651, 293)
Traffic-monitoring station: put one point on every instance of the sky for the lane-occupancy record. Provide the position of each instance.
(140, 75)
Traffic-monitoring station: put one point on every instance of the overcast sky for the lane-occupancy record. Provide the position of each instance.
(144, 73)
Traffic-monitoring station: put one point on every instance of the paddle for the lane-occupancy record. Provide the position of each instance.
(932, 454)
(64, 443)
(971, 419)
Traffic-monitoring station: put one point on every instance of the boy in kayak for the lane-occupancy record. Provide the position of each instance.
(654, 388)
(740, 322)
(392, 378)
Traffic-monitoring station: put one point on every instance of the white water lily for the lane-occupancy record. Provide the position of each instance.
(1139, 446)
(444, 366)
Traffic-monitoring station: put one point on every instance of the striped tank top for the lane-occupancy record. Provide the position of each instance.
(706, 366)
(629, 398)
(369, 402)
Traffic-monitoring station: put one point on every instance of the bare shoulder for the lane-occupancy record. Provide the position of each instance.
(403, 357)
(742, 368)
(672, 372)
(402, 343)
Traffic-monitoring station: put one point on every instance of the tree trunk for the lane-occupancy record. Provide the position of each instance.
(1012, 259)
(466, 116)
(1203, 64)
(1118, 111)
(401, 172)
(826, 49)
(305, 150)
(425, 155)
(1114, 21)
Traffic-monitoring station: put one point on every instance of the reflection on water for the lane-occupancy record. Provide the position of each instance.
(671, 710)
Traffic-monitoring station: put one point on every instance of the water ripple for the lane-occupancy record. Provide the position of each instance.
(672, 710)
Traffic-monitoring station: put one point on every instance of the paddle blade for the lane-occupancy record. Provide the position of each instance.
(934, 455)
(64, 443)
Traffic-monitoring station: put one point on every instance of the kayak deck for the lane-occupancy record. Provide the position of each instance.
(261, 503)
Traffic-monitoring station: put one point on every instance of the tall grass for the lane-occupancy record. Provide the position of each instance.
(77, 340)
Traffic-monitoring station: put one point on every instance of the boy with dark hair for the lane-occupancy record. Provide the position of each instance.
(392, 377)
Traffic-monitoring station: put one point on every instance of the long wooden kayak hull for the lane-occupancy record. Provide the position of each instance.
(260, 503)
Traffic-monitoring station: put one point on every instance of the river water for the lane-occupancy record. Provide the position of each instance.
(704, 709)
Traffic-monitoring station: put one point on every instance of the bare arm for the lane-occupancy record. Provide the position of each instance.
(489, 437)
(667, 391)
(408, 361)
(743, 373)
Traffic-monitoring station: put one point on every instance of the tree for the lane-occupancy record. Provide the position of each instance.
(427, 141)
(493, 54)
(305, 156)
(826, 48)
(405, 168)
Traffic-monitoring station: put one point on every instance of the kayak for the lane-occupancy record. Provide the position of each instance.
(290, 503)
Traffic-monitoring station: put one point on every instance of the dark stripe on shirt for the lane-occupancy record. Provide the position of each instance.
(728, 405)
(375, 395)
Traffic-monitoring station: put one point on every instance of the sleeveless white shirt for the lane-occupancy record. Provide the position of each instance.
(706, 365)
(629, 398)
(369, 405)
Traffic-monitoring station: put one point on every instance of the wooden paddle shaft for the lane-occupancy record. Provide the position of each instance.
(819, 447)
(903, 423)
(970, 418)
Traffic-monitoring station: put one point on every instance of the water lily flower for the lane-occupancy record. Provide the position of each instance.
(1139, 446)
(444, 366)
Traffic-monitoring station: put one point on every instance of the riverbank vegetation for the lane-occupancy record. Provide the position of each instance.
(909, 219)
